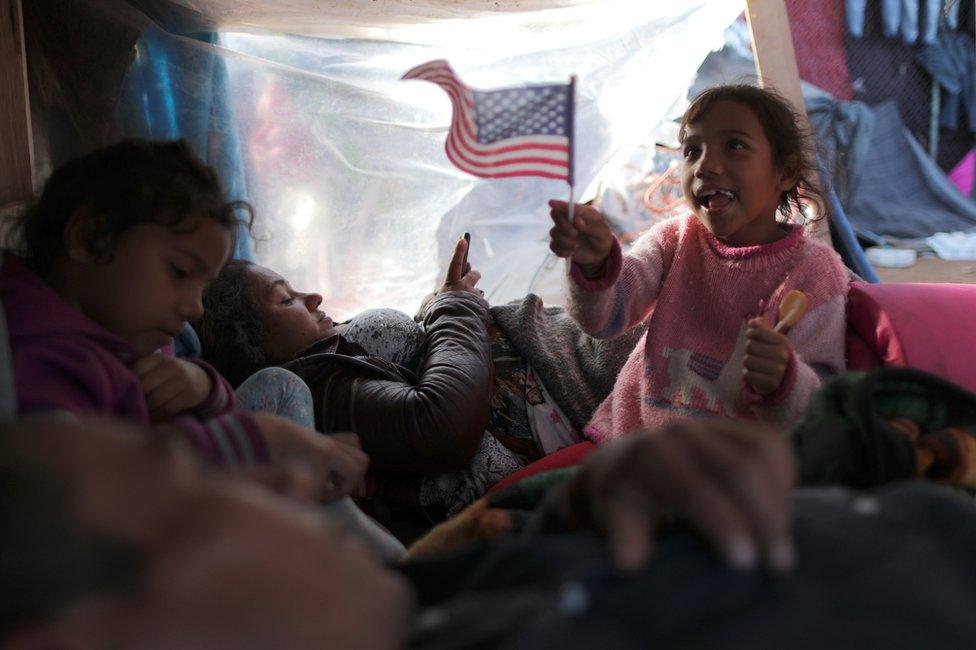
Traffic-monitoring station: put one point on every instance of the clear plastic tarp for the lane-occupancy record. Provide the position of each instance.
(345, 164)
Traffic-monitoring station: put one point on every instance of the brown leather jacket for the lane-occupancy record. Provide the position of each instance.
(409, 423)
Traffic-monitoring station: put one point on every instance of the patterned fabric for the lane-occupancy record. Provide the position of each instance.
(513, 393)
(388, 334)
(550, 425)
(522, 423)
(818, 39)
(278, 391)
(696, 295)
(444, 495)
(510, 443)
(577, 369)
(948, 456)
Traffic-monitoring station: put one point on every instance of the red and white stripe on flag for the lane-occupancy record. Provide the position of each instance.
(541, 144)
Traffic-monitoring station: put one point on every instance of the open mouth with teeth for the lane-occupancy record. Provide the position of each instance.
(716, 200)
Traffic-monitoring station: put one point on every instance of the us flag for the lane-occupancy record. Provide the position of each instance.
(523, 131)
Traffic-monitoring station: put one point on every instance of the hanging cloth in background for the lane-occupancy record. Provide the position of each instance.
(103, 71)
(819, 42)
(901, 16)
(952, 63)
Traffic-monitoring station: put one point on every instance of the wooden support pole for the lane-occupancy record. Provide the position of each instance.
(772, 47)
(16, 146)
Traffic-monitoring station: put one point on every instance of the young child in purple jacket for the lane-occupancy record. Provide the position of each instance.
(114, 258)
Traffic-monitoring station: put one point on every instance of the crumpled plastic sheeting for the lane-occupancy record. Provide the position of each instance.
(344, 162)
(346, 165)
(885, 179)
(426, 22)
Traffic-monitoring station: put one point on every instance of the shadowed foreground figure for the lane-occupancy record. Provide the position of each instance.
(112, 538)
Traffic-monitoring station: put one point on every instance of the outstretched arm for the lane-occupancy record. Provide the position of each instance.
(609, 293)
(436, 423)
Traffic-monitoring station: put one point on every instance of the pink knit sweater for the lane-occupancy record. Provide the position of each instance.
(697, 295)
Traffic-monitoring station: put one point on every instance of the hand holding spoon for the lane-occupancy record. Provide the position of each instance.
(791, 309)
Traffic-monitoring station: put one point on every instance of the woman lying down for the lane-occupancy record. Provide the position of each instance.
(420, 396)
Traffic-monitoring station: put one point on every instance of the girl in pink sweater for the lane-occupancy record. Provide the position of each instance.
(710, 284)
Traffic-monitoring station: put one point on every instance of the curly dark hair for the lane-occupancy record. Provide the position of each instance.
(231, 329)
(123, 185)
(789, 141)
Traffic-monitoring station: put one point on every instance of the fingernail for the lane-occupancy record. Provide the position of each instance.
(741, 554)
(782, 556)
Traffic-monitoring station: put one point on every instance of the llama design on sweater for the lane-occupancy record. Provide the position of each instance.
(696, 296)
(717, 382)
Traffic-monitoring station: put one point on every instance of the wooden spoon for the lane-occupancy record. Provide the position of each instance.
(791, 309)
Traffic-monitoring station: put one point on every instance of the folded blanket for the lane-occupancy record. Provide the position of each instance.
(577, 370)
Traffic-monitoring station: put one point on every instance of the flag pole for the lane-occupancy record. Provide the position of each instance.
(572, 140)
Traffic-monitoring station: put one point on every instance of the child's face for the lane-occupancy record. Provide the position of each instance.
(729, 178)
(154, 281)
(292, 319)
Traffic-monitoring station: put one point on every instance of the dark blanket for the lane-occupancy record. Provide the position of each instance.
(863, 430)
(887, 568)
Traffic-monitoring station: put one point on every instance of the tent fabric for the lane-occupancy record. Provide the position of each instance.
(101, 71)
(887, 183)
(345, 157)
(427, 22)
(343, 162)
(159, 102)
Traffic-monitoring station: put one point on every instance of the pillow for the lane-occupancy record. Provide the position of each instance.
(931, 327)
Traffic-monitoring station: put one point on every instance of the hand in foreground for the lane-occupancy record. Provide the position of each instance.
(587, 241)
(460, 275)
(767, 357)
(295, 482)
(337, 463)
(171, 385)
(732, 481)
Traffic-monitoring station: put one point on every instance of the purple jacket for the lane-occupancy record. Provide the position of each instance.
(63, 361)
